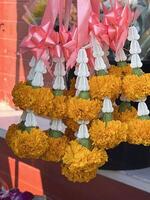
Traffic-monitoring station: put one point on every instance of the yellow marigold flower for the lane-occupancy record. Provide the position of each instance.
(107, 135)
(125, 116)
(78, 157)
(27, 144)
(59, 109)
(136, 87)
(37, 99)
(102, 86)
(139, 132)
(120, 71)
(82, 109)
(56, 149)
(78, 175)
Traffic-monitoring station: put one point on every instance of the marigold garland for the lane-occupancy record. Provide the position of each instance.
(56, 149)
(139, 132)
(82, 109)
(107, 135)
(125, 116)
(80, 159)
(27, 144)
(136, 87)
(38, 100)
(59, 109)
(78, 175)
(120, 71)
(72, 91)
(102, 86)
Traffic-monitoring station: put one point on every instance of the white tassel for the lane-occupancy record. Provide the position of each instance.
(82, 56)
(135, 47)
(40, 67)
(120, 55)
(133, 34)
(83, 70)
(99, 64)
(142, 109)
(59, 83)
(31, 74)
(58, 125)
(82, 84)
(23, 116)
(83, 131)
(32, 62)
(59, 69)
(97, 50)
(38, 80)
(136, 61)
(30, 119)
(107, 106)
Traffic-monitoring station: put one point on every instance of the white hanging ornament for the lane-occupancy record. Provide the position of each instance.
(83, 70)
(32, 62)
(97, 50)
(82, 84)
(58, 125)
(120, 55)
(82, 56)
(30, 120)
(38, 80)
(40, 67)
(136, 61)
(107, 106)
(23, 116)
(135, 47)
(59, 83)
(133, 34)
(59, 69)
(142, 109)
(82, 132)
(99, 64)
(31, 74)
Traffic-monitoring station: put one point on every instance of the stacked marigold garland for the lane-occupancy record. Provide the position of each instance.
(84, 120)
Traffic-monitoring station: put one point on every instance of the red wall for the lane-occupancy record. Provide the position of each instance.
(12, 29)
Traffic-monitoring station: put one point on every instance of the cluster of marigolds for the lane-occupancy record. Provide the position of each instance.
(94, 114)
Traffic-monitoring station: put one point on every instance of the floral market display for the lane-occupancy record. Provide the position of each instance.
(94, 112)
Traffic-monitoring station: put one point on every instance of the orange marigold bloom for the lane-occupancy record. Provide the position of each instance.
(125, 116)
(136, 87)
(139, 132)
(38, 100)
(27, 144)
(105, 86)
(79, 159)
(56, 149)
(82, 109)
(108, 135)
(59, 109)
(120, 71)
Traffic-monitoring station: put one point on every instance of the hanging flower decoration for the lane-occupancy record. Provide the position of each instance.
(107, 133)
(80, 164)
(40, 100)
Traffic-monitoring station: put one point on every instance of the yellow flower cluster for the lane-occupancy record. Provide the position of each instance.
(56, 149)
(120, 71)
(105, 86)
(27, 144)
(107, 135)
(72, 127)
(82, 109)
(136, 87)
(125, 116)
(37, 99)
(59, 108)
(139, 132)
(80, 164)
